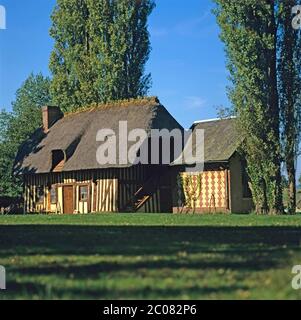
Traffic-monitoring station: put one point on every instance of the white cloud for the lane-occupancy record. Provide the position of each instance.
(159, 32)
(195, 26)
(195, 102)
(188, 27)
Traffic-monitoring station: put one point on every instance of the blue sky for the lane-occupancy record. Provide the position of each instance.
(187, 61)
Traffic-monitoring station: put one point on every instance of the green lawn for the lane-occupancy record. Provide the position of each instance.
(150, 256)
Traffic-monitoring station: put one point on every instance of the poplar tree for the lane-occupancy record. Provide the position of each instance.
(289, 64)
(249, 31)
(101, 48)
(70, 59)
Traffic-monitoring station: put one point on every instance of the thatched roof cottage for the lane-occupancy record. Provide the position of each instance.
(63, 173)
(60, 169)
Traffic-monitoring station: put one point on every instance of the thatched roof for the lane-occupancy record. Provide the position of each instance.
(222, 139)
(75, 135)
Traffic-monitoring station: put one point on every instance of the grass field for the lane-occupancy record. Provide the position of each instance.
(150, 256)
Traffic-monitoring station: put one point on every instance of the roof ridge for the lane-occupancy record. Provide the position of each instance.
(143, 102)
(214, 120)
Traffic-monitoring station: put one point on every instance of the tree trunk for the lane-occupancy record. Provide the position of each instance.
(292, 190)
(274, 110)
(261, 204)
(289, 117)
(265, 206)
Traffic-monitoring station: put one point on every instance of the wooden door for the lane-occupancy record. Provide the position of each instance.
(165, 200)
(68, 200)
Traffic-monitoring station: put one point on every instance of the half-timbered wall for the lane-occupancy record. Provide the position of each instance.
(109, 190)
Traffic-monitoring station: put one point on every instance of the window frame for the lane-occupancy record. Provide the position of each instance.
(53, 188)
(40, 198)
(80, 193)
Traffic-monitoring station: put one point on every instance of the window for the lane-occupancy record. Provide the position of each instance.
(53, 197)
(247, 193)
(83, 193)
(40, 194)
(58, 160)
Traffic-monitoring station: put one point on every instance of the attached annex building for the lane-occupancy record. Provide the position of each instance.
(223, 185)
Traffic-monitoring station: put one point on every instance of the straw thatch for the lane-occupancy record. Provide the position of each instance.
(75, 135)
(222, 139)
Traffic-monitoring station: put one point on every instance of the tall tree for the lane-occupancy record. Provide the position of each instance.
(132, 43)
(101, 48)
(18, 125)
(69, 61)
(290, 94)
(249, 30)
(6, 157)
(26, 109)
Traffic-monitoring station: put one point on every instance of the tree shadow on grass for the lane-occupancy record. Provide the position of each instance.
(50, 292)
(176, 248)
(86, 240)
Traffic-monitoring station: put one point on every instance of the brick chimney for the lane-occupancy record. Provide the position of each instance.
(50, 115)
